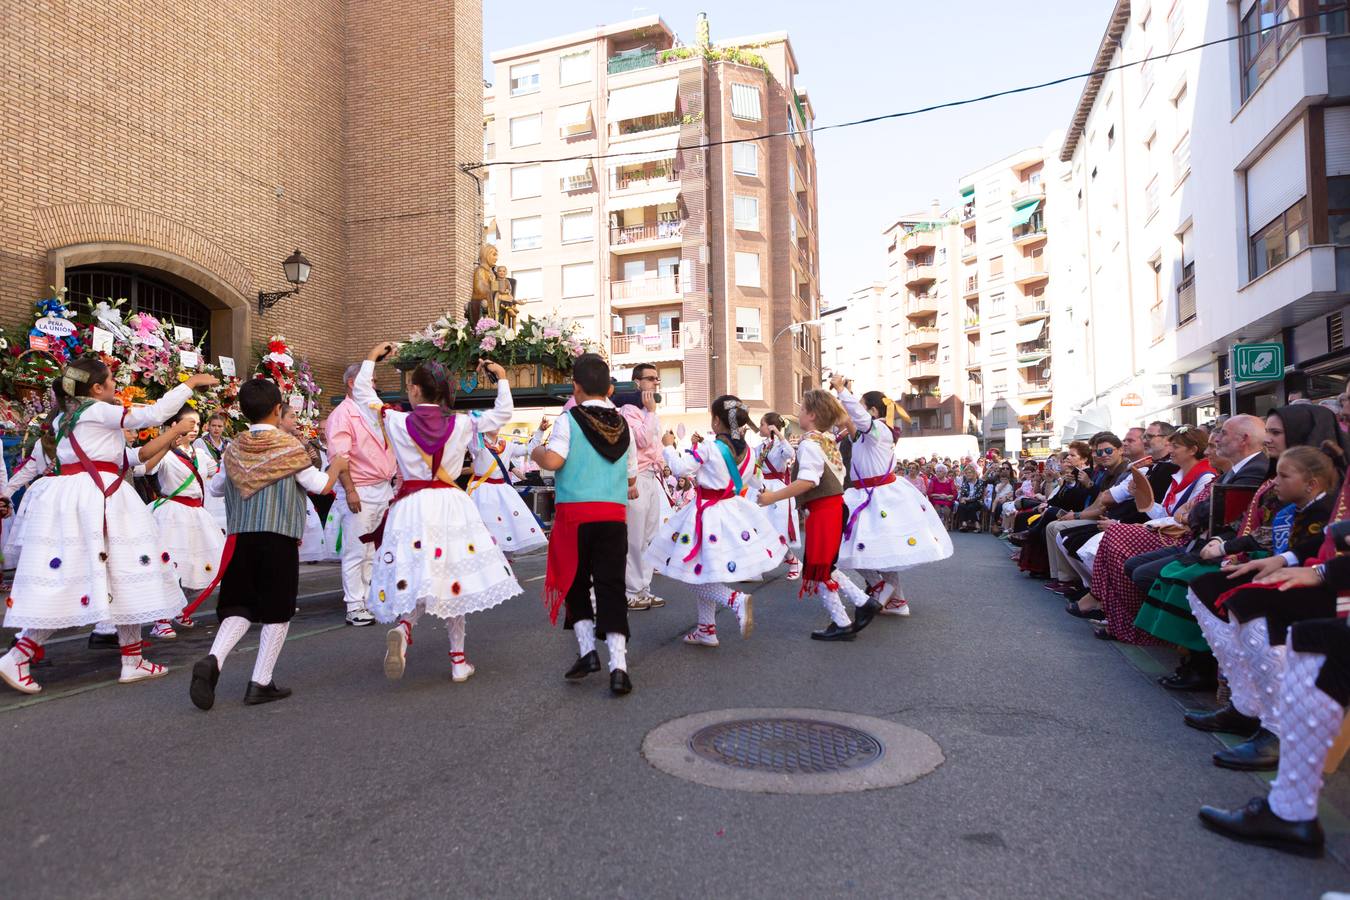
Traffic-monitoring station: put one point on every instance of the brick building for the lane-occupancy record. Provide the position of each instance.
(175, 157)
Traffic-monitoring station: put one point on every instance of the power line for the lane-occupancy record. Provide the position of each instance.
(950, 104)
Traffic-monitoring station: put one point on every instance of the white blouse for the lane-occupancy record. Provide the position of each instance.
(99, 429)
(709, 464)
(874, 449)
(173, 471)
(810, 462)
(484, 463)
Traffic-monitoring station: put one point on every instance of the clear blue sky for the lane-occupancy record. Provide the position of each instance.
(864, 58)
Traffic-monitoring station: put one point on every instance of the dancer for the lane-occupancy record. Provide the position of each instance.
(818, 484)
(773, 463)
(512, 526)
(721, 538)
(590, 450)
(92, 551)
(213, 443)
(651, 507)
(263, 477)
(433, 554)
(312, 546)
(891, 526)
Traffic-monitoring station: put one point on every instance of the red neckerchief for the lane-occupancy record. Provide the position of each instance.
(1180, 487)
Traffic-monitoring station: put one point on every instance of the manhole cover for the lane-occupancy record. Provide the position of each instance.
(786, 746)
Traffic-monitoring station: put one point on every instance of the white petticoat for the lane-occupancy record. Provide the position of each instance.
(68, 576)
(507, 518)
(437, 550)
(739, 544)
(313, 546)
(216, 507)
(13, 527)
(193, 539)
(782, 513)
(897, 530)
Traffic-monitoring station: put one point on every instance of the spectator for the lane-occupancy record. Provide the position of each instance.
(969, 492)
(942, 494)
(915, 477)
(1075, 492)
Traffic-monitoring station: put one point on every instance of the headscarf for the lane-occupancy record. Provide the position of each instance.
(1306, 424)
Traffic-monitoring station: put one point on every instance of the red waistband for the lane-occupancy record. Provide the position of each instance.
(100, 465)
(777, 476)
(714, 495)
(410, 487)
(583, 511)
(877, 481)
(494, 481)
(819, 502)
(194, 502)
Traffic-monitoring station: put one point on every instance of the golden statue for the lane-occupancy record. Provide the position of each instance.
(483, 302)
(505, 298)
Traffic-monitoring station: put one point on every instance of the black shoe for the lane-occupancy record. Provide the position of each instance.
(584, 666)
(834, 633)
(1018, 538)
(1189, 680)
(205, 674)
(864, 614)
(1225, 719)
(264, 693)
(619, 682)
(1256, 824)
(1259, 753)
(103, 641)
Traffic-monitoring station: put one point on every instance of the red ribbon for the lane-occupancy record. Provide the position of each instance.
(705, 497)
(770, 472)
(225, 556)
(561, 570)
(406, 489)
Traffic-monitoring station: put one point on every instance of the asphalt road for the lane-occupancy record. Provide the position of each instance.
(1067, 772)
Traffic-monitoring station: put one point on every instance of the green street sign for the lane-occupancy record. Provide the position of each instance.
(1258, 362)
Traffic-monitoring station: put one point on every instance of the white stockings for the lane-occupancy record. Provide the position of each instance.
(232, 631)
(1310, 723)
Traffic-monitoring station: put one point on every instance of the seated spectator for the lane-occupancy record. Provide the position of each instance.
(915, 477)
(942, 493)
(1075, 492)
(1001, 492)
(969, 493)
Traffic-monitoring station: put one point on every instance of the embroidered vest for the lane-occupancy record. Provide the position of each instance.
(278, 508)
(832, 479)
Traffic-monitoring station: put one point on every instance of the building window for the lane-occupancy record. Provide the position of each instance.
(750, 382)
(745, 102)
(747, 213)
(1268, 34)
(578, 280)
(995, 266)
(998, 341)
(1157, 310)
(525, 78)
(529, 284)
(747, 269)
(527, 233)
(578, 226)
(1151, 198)
(143, 295)
(526, 130)
(1281, 239)
(1338, 209)
(1176, 23)
(996, 304)
(574, 120)
(526, 181)
(1110, 137)
(747, 324)
(1186, 284)
(1146, 73)
(745, 159)
(575, 68)
(1181, 158)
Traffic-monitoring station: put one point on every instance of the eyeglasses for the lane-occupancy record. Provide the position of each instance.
(1105, 451)
(656, 378)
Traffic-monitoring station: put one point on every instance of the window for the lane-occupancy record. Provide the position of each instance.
(1176, 23)
(1181, 158)
(578, 280)
(525, 78)
(1110, 137)
(525, 130)
(745, 102)
(1179, 114)
(635, 323)
(1277, 188)
(529, 284)
(1151, 198)
(747, 269)
(668, 266)
(1146, 73)
(995, 266)
(527, 233)
(1338, 209)
(575, 68)
(526, 182)
(745, 159)
(578, 226)
(747, 213)
(999, 342)
(574, 120)
(1186, 285)
(996, 304)
(1268, 34)
(747, 323)
(750, 382)
(1281, 239)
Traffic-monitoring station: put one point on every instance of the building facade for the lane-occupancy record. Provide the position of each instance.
(175, 158)
(697, 260)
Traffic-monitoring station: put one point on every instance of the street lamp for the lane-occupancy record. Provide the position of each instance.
(297, 270)
(794, 328)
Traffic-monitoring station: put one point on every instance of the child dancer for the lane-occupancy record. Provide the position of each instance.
(891, 525)
(92, 551)
(590, 449)
(312, 547)
(433, 552)
(721, 538)
(213, 444)
(818, 482)
(775, 459)
(263, 477)
(505, 514)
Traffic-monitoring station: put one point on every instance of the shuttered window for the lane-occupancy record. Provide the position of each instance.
(1277, 180)
(1336, 122)
(745, 102)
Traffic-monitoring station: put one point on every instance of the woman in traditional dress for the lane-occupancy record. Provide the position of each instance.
(512, 524)
(773, 465)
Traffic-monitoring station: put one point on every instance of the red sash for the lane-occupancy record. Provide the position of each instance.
(771, 473)
(1180, 487)
(194, 502)
(406, 489)
(703, 498)
(869, 485)
(561, 570)
(824, 532)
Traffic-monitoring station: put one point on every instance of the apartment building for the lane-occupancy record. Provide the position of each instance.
(1206, 191)
(697, 260)
(852, 340)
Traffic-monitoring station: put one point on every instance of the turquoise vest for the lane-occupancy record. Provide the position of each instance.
(587, 477)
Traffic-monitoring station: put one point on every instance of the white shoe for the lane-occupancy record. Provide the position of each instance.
(142, 670)
(14, 672)
(895, 608)
(654, 601)
(163, 630)
(461, 669)
(184, 621)
(745, 613)
(702, 636)
(639, 602)
(359, 618)
(395, 653)
(794, 571)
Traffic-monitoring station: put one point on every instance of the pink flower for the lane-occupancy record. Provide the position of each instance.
(552, 333)
(438, 342)
(488, 343)
(486, 324)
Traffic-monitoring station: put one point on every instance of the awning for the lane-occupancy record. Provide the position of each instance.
(1031, 407)
(1022, 215)
(968, 193)
(1031, 359)
(652, 149)
(1030, 331)
(574, 168)
(573, 116)
(651, 198)
(642, 100)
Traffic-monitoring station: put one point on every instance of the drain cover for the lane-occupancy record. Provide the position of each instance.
(786, 746)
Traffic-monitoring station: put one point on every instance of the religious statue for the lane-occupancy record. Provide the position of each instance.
(505, 298)
(483, 302)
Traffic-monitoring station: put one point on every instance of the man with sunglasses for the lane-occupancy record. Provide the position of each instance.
(644, 510)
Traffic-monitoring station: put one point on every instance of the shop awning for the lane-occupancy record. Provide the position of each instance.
(652, 149)
(1030, 331)
(651, 198)
(1022, 214)
(642, 100)
(573, 116)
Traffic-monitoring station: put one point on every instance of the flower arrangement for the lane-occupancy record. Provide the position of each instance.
(452, 342)
(294, 378)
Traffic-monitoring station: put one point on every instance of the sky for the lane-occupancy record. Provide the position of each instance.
(861, 59)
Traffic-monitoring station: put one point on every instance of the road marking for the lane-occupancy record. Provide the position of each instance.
(535, 578)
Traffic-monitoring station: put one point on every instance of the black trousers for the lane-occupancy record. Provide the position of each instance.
(262, 580)
(602, 553)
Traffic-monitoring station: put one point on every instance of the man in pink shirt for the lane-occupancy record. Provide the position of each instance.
(355, 432)
(644, 512)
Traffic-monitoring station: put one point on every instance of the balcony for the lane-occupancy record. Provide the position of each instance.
(920, 275)
(974, 363)
(972, 288)
(632, 61)
(660, 347)
(647, 178)
(921, 305)
(1040, 388)
(1032, 308)
(1037, 426)
(1033, 353)
(969, 250)
(921, 371)
(644, 291)
(921, 401)
(972, 324)
(920, 242)
(968, 211)
(1027, 191)
(637, 238)
(1031, 232)
(921, 338)
(1030, 270)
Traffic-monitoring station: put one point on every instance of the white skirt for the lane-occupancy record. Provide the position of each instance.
(216, 507)
(312, 547)
(437, 552)
(507, 518)
(739, 544)
(69, 575)
(193, 539)
(897, 530)
(13, 526)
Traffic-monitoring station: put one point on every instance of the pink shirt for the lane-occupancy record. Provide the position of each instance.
(646, 430)
(361, 440)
